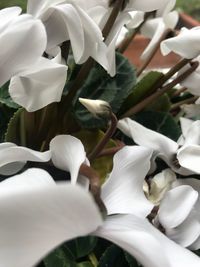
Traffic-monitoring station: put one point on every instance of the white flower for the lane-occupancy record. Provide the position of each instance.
(186, 44)
(66, 20)
(165, 148)
(40, 84)
(37, 215)
(154, 29)
(22, 42)
(34, 206)
(191, 110)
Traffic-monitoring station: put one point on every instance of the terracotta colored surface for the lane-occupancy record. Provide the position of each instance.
(137, 47)
(188, 21)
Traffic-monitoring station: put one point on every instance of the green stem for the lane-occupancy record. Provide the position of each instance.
(144, 103)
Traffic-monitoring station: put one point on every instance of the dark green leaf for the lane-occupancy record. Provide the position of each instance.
(58, 258)
(84, 264)
(160, 122)
(100, 85)
(113, 257)
(141, 90)
(81, 246)
(5, 97)
(131, 261)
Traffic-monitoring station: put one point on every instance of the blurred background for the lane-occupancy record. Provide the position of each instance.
(191, 7)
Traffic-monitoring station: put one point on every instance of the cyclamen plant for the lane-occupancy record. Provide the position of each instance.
(99, 162)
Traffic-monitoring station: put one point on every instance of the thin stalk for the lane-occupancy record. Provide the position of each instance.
(93, 259)
(65, 48)
(179, 92)
(140, 106)
(125, 44)
(109, 133)
(109, 151)
(154, 51)
(95, 185)
(186, 101)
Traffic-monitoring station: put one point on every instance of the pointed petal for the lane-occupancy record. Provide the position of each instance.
(43, 218)
(176, 206)
(39, 86)
(151, 5)
(123, 190)
(14, 51)
(68, 154)
(7, 14)
(143, 241)
(192, 136)
(163, 146)
(188, 157)
(13, 157)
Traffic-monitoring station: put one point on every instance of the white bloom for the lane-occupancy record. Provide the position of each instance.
(40, 84)
(154, 28)
(22, 42)
(60, 206)
(66, 20)
(186, 44)
(37, 215)
(191, 110)
(167, 149)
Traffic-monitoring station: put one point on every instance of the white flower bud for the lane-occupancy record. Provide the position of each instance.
(99, 108)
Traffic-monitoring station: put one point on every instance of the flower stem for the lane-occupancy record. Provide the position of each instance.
(140, 106)
(186, 101)
(153, 52)
(95, 185)
(109, 133)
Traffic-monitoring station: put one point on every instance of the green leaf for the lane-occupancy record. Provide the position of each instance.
(100, 85)
(161, 104)
(81, 246)
(160, 122)
(5, 97)
(140, 90)
(131, 261)
(113, 257)
(58, 258)
(13, 130)
(85, 264)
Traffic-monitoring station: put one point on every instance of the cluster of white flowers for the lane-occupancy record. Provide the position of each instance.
(156, 218)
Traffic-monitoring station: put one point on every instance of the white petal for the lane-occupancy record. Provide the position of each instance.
(11, 155)
(176, 206)
(123, 190)
(68, 154)
(39, 86)
(148, 245)
(188, 157)
(163, 146)
(36, 220)
(137, 18)
(7, 14)
(191, 110)
(151, 5)
(185, 44)
(31, 178)
(192, 136)
(15, 48)
(186, 233)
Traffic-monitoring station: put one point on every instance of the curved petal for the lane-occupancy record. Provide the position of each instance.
(188, 157)
(192, 136)
(164, 146)
(151, 5)
(67, 154)
(7, 14)
(176, 206)
(43, 218)
(123, 191)
(137, 18)
(39, 86)
(185, 44)
(14, 157)
(143, 241)
(15, 51)
(186, 233)
(33, 177)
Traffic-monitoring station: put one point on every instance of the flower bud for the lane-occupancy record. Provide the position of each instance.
(99, 108)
